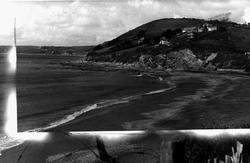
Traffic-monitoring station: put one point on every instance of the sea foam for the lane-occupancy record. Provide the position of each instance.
(7, 142)
(102, 104)
(99, 105)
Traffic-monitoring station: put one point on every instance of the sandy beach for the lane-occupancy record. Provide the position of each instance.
(115, 117)
(141, 99)
(198, 101)
(223, 103)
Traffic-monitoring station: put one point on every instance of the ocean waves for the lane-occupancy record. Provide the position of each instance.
(158, 91)
(99, 105)
(7, 141)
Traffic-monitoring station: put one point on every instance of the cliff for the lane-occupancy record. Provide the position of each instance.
(179, 44)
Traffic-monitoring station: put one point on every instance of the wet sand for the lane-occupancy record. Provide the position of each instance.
(115, 118)
(199, 101)
(223, 104)
(214, 101)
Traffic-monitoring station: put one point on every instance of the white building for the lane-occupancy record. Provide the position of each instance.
(164, 41)
(212, 28)
(189, 29)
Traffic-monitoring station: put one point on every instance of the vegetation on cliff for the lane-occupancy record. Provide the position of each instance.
(180, 44)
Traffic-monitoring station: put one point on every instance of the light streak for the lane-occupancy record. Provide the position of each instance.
(12, 60)
(11, 112)
(212, 133)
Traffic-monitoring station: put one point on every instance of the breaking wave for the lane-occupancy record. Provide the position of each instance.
(157, 91)
(99, 105)
(7, 141)
(171, 86)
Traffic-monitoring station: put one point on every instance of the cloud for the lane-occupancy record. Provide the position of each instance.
(93, 22)
(246, 16)
(51, 24)
(138, 3)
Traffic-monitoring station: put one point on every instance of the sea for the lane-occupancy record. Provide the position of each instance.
(49, 94)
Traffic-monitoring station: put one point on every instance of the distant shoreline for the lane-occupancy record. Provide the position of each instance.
(107, 66)
(218, 83)
(230, 96)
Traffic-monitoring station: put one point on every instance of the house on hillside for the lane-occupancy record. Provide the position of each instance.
(204, 28)
(189, 29)
(206, 24)
(140, 40)
(164, 41)
(200, 29)
(247, 54)
(190, 35)
(210, 27)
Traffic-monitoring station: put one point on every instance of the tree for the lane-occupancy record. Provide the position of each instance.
(222, 29)
(205, 29)
(113, 42)
(177, 31)
(141, 34)
(168, 34)
(146, 41)
(98, 47)
(156, 40)
(127, 42)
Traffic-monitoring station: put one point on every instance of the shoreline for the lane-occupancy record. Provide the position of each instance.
(104, 106)
(123, 101)
(203, 96)
(115, 67)
(96, 106)
(129, 68)
(87, 121)
(199, 95)
(158, 74)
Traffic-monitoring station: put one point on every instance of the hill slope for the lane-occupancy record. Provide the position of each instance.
(156, 27)
(189, 42)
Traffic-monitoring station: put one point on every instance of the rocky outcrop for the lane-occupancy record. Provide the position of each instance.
(183, 59)
(177, 60)
(186, 60)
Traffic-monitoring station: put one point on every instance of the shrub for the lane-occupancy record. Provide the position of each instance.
(98, 47)
(141, 34)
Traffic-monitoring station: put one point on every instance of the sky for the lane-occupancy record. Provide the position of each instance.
(91, 22)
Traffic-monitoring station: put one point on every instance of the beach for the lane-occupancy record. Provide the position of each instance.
(62, 93)
(76, 96)
(111, 97)
(197, 101)
(180, 100)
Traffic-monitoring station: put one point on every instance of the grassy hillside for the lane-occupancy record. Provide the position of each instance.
(240, 37)
(158, 26)
(228, 40)
(152, 31)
